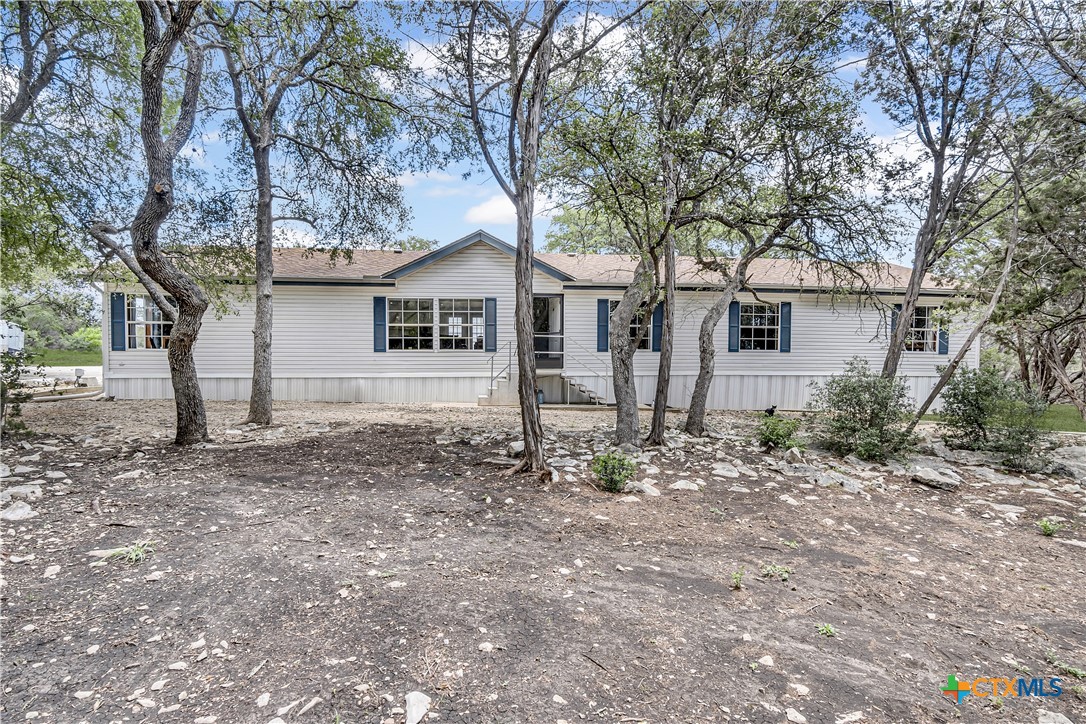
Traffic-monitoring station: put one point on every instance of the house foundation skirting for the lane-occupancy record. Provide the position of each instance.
(728, 392)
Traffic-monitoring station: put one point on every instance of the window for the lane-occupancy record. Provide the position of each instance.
(759, 326)
(922, 335)
(460, 323)
(639, 319)
(146, 326)
(410, 323)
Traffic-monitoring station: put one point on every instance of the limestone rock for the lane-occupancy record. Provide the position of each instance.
(645, 487)
(417, 706)
(933, 479)
(1051, 717)
(27, 492)
(1070, 461)
(18, 511)
(794, 456)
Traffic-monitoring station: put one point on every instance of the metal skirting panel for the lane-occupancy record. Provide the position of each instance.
(728, 392)
(314, 389)
(739, 392)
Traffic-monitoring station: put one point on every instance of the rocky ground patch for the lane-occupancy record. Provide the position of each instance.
(372, 563)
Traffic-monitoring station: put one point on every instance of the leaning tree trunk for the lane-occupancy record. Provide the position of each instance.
(260, 398)
(695, 416)
(158, 202)
(667, 345)
(627, 425)
(989, 310)
(925, 241)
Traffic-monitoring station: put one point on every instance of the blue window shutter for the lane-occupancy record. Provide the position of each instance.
(117, 339)
(944, 341)
(657, 326)
(894, 314)
(786, 327)
(379, 324)
(733, 326)
(490, 332)
(603, 314)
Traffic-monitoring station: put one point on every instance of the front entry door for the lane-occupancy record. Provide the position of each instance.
(548, 322)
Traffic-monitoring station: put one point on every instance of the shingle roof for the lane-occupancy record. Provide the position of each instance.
(614, 268)
(297, 263)
(306, 264)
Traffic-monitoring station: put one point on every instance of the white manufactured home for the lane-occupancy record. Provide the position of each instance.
(438, 327)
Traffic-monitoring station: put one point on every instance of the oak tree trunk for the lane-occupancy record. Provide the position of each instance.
(531, 423)
(695, 416)
(159, 45)
(667, 336)
(260, 398)
(627, 425)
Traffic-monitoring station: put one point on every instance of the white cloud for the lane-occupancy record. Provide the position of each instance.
(410, 179)
(498, 209)
(211, 136)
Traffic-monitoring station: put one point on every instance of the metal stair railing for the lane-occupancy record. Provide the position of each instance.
(508, 347)
(601, 378)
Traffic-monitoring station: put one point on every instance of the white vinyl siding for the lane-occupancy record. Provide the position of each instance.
(323, 343)
(326, 331)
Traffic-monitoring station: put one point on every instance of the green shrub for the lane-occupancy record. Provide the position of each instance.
(777, 432)
(613, 470)
(13, 366)
(984, 411)
(86, 339)
(861, 413)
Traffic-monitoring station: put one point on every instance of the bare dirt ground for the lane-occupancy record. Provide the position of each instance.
(321, 570)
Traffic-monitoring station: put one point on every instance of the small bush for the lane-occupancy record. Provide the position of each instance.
(136, 553)
(984, 411)
(827, 630)
(13, 366)
(777, 432)
(1049, 527)
(781, 573)
(861, 413)
(613, 470)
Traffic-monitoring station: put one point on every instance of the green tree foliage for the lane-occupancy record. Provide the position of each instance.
(67, 128)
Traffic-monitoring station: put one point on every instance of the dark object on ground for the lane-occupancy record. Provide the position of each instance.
(771, 411)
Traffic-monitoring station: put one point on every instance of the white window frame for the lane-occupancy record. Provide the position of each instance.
(771, 311)
(464, 313)
(418, 325)
(459, 324)
(923, 340)
(155, 325)
(635, 324)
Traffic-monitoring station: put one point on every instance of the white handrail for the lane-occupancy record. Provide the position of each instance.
(600, 377)
(508, 346)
